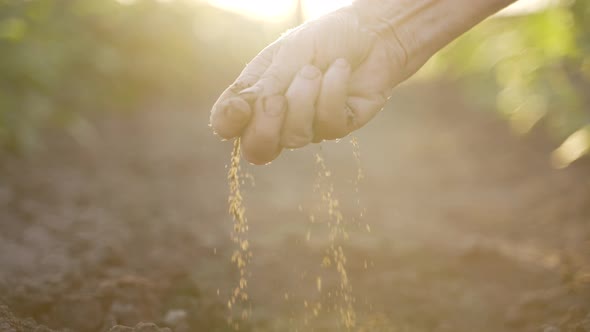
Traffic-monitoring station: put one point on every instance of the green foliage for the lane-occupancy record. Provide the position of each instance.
(62, 59)
(537, 67)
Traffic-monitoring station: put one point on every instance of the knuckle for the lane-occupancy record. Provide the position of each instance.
(240, 85)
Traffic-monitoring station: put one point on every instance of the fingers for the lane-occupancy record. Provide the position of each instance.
(261, 139)
(287, 60)
(231, 113)
(254, 106)
(301, 97)
(370, 86)
(332, 116)
(347, 101)
(280, 101)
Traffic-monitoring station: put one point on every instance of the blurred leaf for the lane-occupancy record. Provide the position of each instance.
(553, 33)
(574, 147)
(540, 63)
(528, 114)
(13, 29)
(39, 10)
(585, 67)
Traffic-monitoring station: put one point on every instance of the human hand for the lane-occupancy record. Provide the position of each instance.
(319, 81)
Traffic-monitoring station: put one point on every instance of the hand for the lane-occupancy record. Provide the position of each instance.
(319, 81)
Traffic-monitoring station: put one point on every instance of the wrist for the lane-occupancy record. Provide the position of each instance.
(422, 27)
(398, 22)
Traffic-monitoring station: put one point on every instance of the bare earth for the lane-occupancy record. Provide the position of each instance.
(471, 228)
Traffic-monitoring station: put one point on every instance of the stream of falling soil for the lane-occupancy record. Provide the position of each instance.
(334, 258)
(242, 254)
(334, 263)
(360, 175)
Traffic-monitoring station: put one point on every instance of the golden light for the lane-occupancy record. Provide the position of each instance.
(315, 8)
(268, 10)
(278, 10)
(523, 7)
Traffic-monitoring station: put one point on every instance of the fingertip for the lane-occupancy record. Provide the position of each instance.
(238, 111)
(317, 139)
(261, 139)
(259, 159)
(230, 117)
(335, 132)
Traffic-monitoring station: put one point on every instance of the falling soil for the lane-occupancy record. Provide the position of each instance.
(335, 257)
(242, 255)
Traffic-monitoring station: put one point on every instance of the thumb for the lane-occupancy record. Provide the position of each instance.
(231, 112)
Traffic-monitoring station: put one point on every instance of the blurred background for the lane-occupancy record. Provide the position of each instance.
(473, 213)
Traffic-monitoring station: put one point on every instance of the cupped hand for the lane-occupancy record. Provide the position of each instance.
(319, 81)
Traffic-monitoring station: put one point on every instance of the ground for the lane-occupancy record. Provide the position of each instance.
(124, 220)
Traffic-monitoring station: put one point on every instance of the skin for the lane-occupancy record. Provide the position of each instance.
(330, 76)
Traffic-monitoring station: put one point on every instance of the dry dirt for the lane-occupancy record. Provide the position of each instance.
(124, 220)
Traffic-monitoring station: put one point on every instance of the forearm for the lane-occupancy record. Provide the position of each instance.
(422, 27)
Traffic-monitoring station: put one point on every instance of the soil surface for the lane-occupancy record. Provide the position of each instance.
(124, 220)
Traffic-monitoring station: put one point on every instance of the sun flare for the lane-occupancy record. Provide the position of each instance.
(314, 8)
(271, 10)
(277, 10)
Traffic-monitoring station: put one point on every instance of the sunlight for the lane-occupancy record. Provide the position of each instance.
(523, 7)
(268, 10)
(278, 10)
(313, 9)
